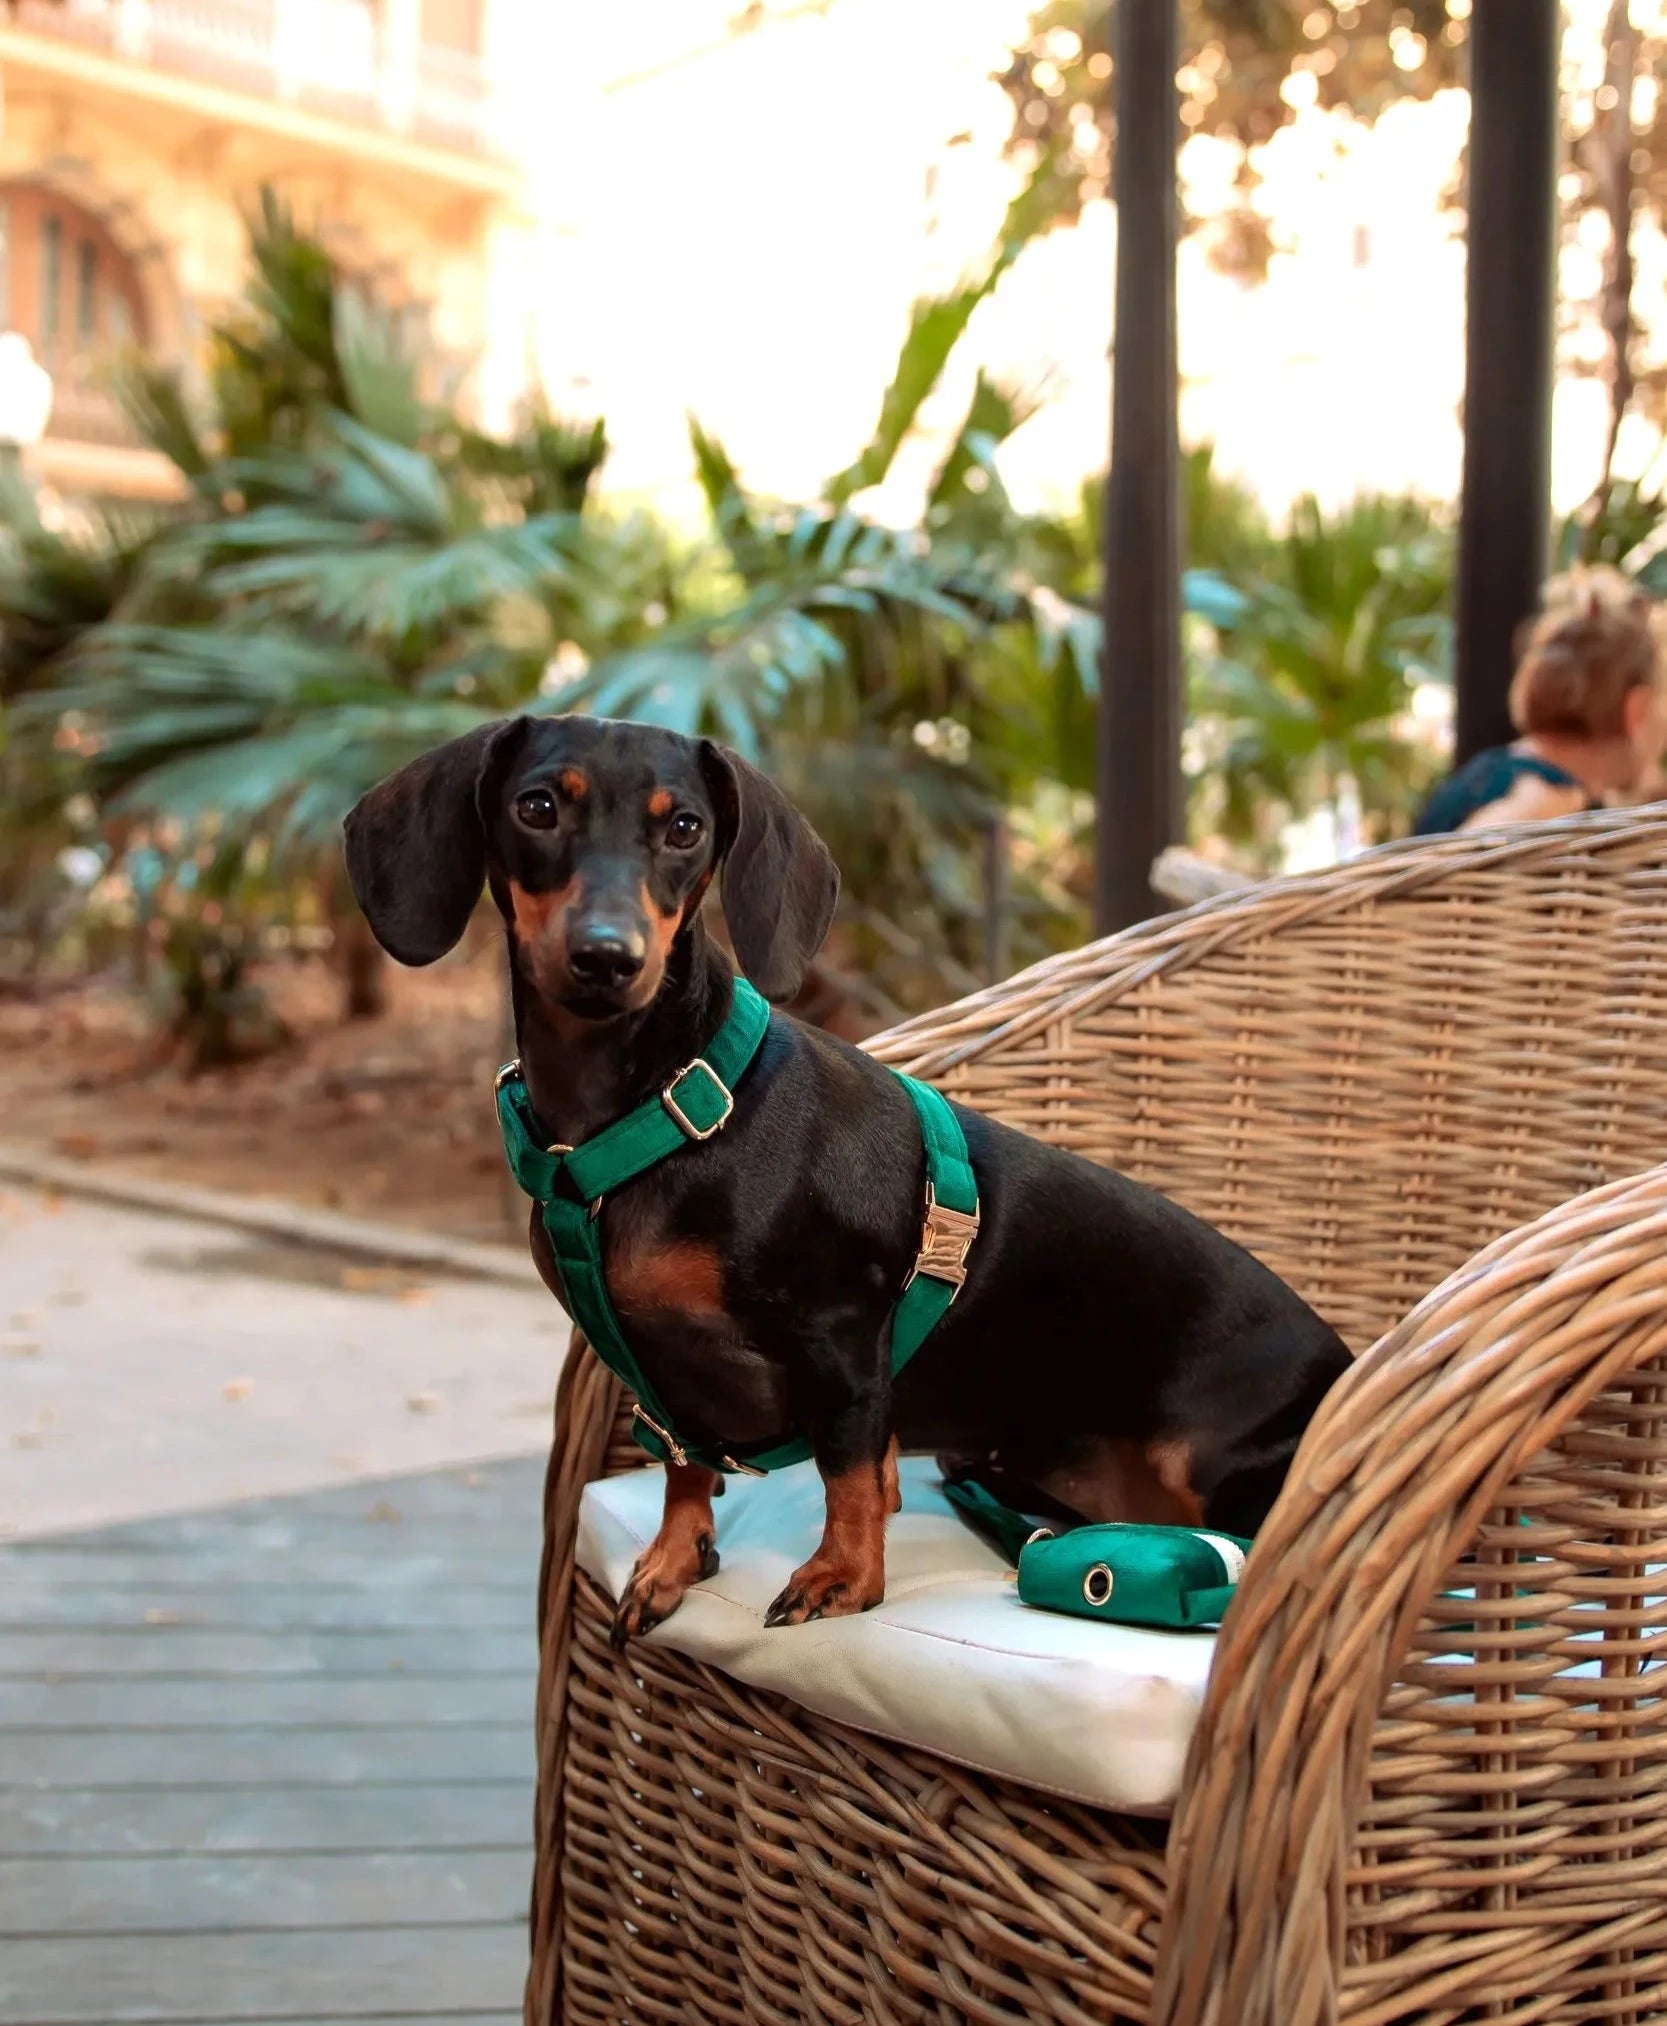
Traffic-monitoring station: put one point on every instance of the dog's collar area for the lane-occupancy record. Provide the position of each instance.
(569, 1184)
(698, 1112)
(695, 1104)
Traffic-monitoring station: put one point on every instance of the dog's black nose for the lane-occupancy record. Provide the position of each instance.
(605, 956)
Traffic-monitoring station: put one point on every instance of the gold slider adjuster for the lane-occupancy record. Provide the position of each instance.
(507, 1074)
(685, 1124)
(946, 1238)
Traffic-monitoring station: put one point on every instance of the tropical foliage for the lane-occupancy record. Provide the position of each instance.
(357, 576)
(327, 603)
(1302, 687)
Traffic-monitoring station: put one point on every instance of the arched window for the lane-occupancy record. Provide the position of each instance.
(64, 282)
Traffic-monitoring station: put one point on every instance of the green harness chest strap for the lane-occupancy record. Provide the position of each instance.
(569, 1183)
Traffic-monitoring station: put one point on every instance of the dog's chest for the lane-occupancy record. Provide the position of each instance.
(667, 1291)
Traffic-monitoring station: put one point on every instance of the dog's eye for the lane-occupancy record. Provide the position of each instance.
(684, 830)
(537, 809)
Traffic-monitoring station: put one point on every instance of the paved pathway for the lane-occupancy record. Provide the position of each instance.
(261, 1760)
(149, 1364)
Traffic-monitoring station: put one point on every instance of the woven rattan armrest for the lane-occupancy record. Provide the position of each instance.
(1397, 1474)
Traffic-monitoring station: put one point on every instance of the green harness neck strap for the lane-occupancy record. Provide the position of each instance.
(569, 1183)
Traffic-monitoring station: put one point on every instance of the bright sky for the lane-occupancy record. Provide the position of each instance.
(735, 226)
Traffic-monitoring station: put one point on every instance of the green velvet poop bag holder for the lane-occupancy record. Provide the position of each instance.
(1173, 1578)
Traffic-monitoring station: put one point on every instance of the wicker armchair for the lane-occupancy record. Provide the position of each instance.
(1430, 1782)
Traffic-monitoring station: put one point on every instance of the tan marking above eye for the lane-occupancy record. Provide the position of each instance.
(573, 784)
(660, 802)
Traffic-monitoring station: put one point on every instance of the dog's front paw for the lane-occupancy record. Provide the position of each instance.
(663, 1577)
(829, 1586)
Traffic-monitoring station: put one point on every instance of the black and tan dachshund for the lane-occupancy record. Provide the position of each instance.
(1109, 1357)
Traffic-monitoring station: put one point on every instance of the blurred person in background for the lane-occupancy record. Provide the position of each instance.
(1588, 702)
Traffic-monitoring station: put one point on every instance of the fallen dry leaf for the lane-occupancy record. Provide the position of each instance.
(424, 1403)
(382, 1513)
(414, 1297)
(78, 1146)
(154, 1617)
(238, 1389)
(368, 1279)
(16, 1345)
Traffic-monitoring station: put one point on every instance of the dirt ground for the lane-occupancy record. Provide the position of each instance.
(389, 1119)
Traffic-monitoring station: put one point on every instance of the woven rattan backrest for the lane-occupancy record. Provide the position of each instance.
(1365, 1075)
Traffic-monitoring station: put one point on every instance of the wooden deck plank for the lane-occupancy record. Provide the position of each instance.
(343, 1607)
(80, 1980)
(390, 1700)
(355, 1564)
(273, 1763)
(461, 1815)
(317, 1757)
(163, 1895)
(184, 1652)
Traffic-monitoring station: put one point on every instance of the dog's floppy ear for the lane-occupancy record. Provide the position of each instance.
(779, 879)
(416, 845)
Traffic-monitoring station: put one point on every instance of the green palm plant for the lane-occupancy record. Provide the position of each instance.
(359, 576)
(1306, 680)
(333, 598)
(903, 683)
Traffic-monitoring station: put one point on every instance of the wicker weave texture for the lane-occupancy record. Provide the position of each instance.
(1431, 1780)
(1364, 1076)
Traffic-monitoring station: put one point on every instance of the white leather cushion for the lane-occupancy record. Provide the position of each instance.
(951, 1661)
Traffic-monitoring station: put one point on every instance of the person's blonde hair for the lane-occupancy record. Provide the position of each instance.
(1596, 641)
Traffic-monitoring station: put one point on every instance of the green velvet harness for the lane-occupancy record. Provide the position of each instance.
(569, 1183)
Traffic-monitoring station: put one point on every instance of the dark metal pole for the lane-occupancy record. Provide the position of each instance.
(1139, 770)
(1510, 291)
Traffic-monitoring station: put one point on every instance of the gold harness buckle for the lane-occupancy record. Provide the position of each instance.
(507, 1074)
(946, 1238)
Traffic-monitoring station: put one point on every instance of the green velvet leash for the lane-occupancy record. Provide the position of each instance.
(569, 1184)
(1172, 1578)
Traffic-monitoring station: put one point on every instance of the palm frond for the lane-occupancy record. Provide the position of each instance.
(155, 401)
(363, 537)
(379, 375)
(967, 480)
(936, 325)
(262, 729)
(547, 466)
